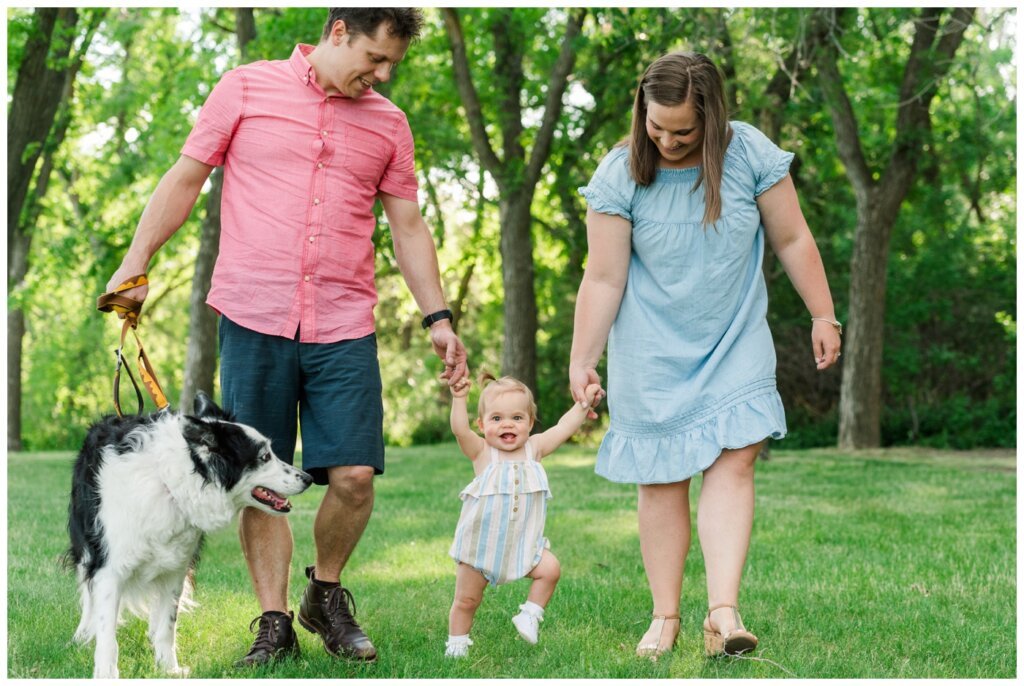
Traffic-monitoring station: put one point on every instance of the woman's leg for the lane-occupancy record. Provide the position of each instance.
(725, 516)
(469, 591)
(664, 519)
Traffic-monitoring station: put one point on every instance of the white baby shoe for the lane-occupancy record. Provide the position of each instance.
(527, 622)
(457, 646)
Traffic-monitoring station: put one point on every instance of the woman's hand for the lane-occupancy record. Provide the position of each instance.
(580, 378)
(826, 343)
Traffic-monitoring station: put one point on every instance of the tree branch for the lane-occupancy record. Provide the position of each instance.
(553, 106)
(470, 101)
(843, 119)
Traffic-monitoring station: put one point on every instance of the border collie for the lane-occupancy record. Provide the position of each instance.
(144, 492)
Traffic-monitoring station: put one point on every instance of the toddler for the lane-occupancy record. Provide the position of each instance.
(500, 534)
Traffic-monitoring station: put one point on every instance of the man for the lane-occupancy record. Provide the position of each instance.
(307, 147)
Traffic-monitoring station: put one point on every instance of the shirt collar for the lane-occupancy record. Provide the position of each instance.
(303, 69)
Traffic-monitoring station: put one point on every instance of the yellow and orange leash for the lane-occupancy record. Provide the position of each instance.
(130, 309)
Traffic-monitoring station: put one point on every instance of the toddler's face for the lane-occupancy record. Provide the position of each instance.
(506, 423)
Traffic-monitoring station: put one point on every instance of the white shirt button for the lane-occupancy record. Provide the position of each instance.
(311, 239)
(306, 277)
(316, 201)
(319, 165)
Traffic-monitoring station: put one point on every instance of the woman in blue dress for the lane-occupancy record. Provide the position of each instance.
(676, 226)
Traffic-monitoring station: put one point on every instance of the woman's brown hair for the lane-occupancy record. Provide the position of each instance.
(672, 80)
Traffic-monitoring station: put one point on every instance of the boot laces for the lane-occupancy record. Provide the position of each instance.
(266, 637)
(341, 607)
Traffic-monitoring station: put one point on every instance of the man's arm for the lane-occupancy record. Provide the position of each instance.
(167, 210)
(417, 259)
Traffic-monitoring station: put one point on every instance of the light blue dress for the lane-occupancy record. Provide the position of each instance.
(691, 363)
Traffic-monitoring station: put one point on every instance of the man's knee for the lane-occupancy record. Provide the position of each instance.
(353, 484)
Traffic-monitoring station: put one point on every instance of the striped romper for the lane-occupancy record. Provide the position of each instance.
(501, 529)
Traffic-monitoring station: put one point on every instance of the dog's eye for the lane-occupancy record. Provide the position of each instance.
(265, 457)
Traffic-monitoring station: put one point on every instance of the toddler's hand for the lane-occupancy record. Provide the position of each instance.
(593, 393)
(460, 389)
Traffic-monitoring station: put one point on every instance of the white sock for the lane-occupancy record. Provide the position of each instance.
(532, 608)
(464, 638)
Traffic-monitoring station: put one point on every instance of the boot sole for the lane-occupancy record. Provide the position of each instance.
(311, 628)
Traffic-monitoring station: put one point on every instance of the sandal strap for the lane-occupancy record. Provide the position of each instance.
(675, 616)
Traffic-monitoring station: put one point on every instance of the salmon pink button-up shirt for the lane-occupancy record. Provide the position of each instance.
(301, 174)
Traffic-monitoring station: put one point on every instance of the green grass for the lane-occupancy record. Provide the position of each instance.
(888, 564)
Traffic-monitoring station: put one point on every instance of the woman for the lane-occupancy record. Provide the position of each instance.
(677, 218)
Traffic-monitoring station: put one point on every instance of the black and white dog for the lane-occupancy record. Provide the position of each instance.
(144, 492)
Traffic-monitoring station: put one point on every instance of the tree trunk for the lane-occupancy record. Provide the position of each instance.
(41, 81)
(201, 354)
(878, 205)
(517, 174)
(860, 395)
(519, 356)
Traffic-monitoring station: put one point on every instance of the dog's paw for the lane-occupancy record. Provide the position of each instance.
(105, 672)
(180, 672)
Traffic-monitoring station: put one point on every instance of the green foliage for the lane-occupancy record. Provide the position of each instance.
(950, 360)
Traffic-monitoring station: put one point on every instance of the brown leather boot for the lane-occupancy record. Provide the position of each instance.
(275, 638)
(329, 610)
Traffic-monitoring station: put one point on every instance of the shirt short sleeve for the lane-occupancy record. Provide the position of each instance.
(210, 137)
(611, 188)
(399, 177)
(769, 162)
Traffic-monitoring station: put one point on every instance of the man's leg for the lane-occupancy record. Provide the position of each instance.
(259, 385)
(341, 413)
(267, 546)
(342, 518)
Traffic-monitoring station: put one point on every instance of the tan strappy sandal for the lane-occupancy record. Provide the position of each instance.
(665, 629)
(734, 642)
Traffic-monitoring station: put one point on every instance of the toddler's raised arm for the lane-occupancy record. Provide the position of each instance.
(547, 442)
(469, 442)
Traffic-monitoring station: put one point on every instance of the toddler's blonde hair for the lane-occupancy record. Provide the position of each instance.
(490, 386)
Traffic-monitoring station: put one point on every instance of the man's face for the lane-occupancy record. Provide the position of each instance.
(357, 63)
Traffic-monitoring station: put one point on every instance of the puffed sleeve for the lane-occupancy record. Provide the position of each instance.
(768, 162)
(611, 188)
(210, 137)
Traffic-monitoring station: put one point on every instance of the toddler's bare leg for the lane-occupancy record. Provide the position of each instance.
(469, 591)
(545, 577)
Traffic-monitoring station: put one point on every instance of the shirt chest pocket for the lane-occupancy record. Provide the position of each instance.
(366, 156)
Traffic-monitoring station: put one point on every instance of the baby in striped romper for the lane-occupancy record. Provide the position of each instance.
(500, 534)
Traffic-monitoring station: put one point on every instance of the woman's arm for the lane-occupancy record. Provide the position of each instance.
(791, 240)
(597, 303)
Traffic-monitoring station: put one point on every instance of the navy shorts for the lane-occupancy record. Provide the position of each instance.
(331, 390)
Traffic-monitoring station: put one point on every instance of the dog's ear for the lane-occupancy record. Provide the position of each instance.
(199, 433)
(205, 407)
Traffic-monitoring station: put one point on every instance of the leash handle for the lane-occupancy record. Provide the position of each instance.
(130, 309)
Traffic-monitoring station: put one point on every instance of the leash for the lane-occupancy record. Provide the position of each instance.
(130, 309)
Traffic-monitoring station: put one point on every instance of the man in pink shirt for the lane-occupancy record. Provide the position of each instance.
(307, 147)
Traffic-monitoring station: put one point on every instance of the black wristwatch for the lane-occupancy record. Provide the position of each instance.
(436, 317)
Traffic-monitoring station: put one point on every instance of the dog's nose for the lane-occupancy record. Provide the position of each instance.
(305, 478)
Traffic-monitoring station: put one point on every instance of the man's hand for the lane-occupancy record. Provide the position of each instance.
(451, 351)
(120, 276)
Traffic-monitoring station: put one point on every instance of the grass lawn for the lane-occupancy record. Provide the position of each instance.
(887, 564)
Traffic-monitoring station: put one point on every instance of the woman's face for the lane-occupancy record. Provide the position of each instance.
(678, 132)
